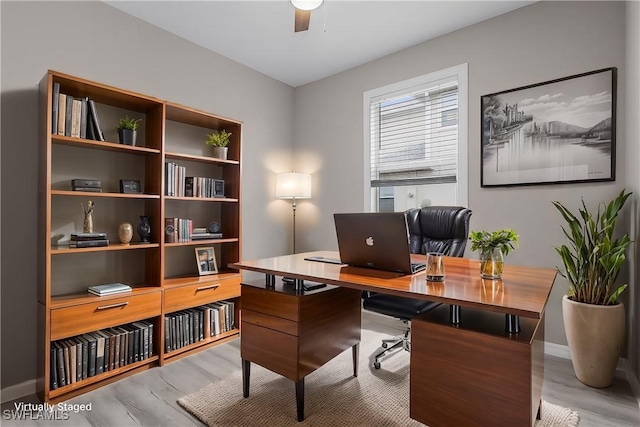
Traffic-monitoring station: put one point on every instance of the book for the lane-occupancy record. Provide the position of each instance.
(91, 370)
(83, 117)
(200, 236)
(89, 189)
(68, 116)
(85, 355)
(91, 133)
(54, 367)
(99, 135)
(62, 379)
(76, 115)
(62, 112)
(88, 243)
(109, 288)
(54, 112)
(88, 236)
(65, 358)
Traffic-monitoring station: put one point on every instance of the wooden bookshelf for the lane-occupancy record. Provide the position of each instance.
(163, 275)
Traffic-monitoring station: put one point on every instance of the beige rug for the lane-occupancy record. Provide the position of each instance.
(333, 397)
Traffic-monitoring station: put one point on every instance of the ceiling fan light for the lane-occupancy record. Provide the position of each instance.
(306, 4)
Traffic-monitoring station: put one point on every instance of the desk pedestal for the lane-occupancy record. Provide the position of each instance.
(293, 332)
(474, 373)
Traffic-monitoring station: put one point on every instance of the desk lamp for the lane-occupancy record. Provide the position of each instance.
(292, 185)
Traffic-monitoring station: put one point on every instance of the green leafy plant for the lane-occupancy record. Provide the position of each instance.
(593, 258)
(485, 241)
(128, 123)
(220, 139)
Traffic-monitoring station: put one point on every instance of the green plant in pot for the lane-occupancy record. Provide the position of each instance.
(219, 141)
(127, 130)
(493, 246)
(594, 319)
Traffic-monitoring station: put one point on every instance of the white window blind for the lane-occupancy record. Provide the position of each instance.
(414, 135)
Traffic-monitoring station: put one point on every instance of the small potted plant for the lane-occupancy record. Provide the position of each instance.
(493, 247)
(219, 141)
(127, 130)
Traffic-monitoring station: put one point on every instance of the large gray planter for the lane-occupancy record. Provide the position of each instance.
(220, 152)
(595, 334)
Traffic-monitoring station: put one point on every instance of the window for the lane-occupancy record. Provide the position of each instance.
(415, 142)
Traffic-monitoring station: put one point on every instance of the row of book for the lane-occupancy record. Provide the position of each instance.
(181, 230)
(81, 357)
(88, 240)
(193, 325)
(180, 185)
(75, 117)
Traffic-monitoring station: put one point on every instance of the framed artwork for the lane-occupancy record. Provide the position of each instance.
(206, 260)
(130, 186)
(555, 132)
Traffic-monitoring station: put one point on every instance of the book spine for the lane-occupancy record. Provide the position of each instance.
(96, 121)
(54, 110)
(78, 359)
(67, 368)
(62, 379)
(92, 358)
(68, 116)
(54, 367)
(88, 243)
(83, 118)
(188, 186)
(76, 116)
(62, 112)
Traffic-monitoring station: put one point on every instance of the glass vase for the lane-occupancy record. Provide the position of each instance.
(491, 263)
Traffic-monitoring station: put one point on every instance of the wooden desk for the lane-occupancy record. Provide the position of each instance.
(481, 310)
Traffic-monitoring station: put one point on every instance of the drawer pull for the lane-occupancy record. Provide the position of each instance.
(106, 307)
(204, 288)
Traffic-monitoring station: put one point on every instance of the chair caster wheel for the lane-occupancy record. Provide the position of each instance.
(384, 345)
(376, 365)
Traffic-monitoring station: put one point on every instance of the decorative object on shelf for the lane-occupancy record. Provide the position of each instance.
(91, 185)
(144, 229)
(493, 247)
(214, 227)
(125, 232)
(87, 224)
(594, 319)
(218, 188)
(292, 185)
(130, 186)
(219, 141)
(435, 267)
(206, 260)
(127, 130)
(540, 134)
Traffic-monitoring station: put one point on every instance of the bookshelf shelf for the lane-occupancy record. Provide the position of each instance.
(162, 280)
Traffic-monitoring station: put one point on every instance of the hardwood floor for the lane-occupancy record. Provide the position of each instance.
(150, 398)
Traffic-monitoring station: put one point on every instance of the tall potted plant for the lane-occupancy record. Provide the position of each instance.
(219, 141)
(594, 319)
(493, 247)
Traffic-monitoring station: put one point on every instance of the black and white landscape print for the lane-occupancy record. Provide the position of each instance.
(554, 132)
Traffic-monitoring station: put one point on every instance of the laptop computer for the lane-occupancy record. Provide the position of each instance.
(375, 240)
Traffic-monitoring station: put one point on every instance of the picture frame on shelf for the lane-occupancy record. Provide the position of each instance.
(130, 186)
(206, 260)
(556, 132)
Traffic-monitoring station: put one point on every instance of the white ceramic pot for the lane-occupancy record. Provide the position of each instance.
(595, 334)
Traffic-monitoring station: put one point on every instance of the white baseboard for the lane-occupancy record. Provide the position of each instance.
(17, 391)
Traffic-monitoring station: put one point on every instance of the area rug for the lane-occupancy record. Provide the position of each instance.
(333, 397)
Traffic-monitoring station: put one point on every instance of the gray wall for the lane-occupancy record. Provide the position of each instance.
(632, 112)
(97, 42)
(540, 42)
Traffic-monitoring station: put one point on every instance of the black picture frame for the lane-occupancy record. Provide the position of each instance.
(130, 186)
(556, 132)
(218, 188)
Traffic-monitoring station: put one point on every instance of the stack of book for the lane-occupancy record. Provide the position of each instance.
(201, 233)
(92, 185)
(109, 289)
(88, 240)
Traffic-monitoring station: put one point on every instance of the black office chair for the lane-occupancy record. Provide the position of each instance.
(443, 229)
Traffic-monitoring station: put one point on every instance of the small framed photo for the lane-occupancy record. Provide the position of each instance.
(206, 260)
(218, 188)
(130, 186)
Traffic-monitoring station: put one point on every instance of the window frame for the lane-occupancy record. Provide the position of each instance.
(460, 72)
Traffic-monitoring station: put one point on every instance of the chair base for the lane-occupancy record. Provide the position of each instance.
(391, 345)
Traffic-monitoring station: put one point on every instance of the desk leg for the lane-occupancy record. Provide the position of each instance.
(355, 350)
(246, 372)
(300, 399)
(512, 323)
(454, 314)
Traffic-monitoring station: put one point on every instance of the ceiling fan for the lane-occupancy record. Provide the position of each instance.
(303, 13)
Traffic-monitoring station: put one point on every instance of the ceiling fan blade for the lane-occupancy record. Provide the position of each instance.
(302, 20)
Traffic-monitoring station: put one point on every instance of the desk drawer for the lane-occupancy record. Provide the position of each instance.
(274, 350)
(200, 293)
(270, 302)
(271, 322)
(79, 319)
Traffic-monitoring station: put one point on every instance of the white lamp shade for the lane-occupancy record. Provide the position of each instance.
(292, 185)
(306, 4)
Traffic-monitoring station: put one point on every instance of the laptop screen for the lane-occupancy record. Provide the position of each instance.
(374, 240)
